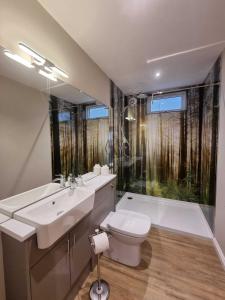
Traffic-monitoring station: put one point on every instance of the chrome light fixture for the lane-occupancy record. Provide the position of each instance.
(18, 59)
(44, 66)
(59, 71)
(38, 59)
(47, 75)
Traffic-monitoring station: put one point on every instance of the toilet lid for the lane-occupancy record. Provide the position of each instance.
(130, 223)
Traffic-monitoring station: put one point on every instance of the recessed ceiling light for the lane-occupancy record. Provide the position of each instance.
(157, 74)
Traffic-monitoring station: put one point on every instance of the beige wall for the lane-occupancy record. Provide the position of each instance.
(220, 197)
(25, 152)
(27, 21)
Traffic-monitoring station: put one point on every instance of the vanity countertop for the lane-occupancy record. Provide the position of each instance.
(99, 181)
(3, 218)
(22, 231)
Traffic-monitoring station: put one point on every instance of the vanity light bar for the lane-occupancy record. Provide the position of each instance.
(48, 70)
(18, 59)
(51, 71)
(59, 71)
(47, 75)
(38, 59)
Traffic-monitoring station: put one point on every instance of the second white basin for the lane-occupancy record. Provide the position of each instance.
(54, 216)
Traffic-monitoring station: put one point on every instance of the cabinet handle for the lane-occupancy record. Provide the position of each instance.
(74, 239)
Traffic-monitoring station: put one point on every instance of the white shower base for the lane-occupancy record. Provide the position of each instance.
(170, 214)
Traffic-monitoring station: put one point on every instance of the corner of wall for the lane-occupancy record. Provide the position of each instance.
(220, 189)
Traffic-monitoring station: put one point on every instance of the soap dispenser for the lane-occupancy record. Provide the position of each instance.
(97, 169)
(105, 170)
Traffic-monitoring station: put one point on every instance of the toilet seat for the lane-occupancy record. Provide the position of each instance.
(129, 223)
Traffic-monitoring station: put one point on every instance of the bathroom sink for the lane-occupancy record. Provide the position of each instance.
(54, 216)
(10, 205)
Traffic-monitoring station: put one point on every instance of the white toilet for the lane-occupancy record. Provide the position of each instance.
(128, 231)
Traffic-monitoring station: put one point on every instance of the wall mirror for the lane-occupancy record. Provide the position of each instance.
(47, 128)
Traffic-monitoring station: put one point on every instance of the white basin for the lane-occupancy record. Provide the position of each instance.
(54, 216)
(10, 205)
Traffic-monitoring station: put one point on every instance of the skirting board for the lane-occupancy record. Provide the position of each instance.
(219, 252)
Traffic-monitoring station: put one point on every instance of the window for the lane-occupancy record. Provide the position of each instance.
(167, 103)
(97, 112)
(64, 116)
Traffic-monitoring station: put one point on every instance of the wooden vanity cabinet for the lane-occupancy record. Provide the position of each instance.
(80, 251)
(50, 277)
(55, 273)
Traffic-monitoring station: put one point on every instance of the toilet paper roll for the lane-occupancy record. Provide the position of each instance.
(100, 243)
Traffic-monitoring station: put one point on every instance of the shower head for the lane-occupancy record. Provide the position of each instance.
(142, 96)
(132, 101)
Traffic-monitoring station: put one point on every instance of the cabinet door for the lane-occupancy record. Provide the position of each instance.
(104, 203)
(50, 277)
(80, 253)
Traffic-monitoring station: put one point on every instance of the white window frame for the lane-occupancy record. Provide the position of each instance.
(182, 94)
(87, 112)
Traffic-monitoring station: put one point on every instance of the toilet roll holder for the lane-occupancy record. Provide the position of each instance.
(100, 288)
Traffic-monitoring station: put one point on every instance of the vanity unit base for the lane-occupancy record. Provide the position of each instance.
(46, 274)
(57, 272)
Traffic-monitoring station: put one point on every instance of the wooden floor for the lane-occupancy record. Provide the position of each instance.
(173, 266)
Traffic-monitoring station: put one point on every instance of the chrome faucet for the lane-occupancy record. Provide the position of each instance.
(62, 180)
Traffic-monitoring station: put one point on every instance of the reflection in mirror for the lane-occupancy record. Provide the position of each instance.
(24, 124)
(80, 132)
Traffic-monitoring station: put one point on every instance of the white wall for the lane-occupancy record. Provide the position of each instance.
(220, 196)
(25, 152)
(27, 21)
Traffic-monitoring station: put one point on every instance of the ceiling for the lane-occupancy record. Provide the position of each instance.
(30, 77)
(121, 35)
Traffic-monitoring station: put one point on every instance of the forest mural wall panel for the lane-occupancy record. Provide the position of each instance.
(78, 143)
(168, 154)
